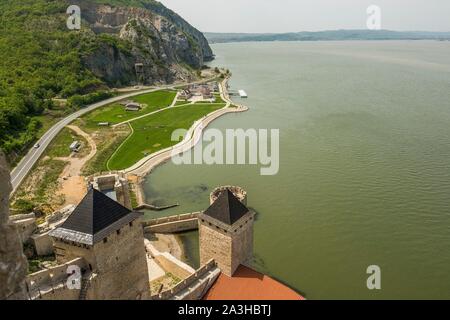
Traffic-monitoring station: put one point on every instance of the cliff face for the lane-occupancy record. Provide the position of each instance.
(152, 35)
(13, 264)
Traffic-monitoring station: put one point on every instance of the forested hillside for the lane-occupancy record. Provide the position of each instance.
(41, 59)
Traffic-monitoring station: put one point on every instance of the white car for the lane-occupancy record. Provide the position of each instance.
(37, 145)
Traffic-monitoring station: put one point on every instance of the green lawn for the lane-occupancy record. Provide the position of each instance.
(116, 113)
(154, 133)
(60, 146)
(180, 102)
(218, 98)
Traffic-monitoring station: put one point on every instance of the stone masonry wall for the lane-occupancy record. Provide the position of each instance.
(215, 245)
(242, 245)
(229, 245)
(121, 265)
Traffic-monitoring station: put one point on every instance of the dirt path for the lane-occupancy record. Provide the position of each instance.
(73, 186)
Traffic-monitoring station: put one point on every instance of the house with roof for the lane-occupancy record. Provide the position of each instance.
(133, 106)
(185, 94)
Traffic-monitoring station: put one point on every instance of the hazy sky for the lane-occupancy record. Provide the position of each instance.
(310, 15)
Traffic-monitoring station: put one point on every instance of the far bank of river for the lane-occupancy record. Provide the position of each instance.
(364, 175)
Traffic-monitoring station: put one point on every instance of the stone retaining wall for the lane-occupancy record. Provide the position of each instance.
(173, 224)
(196, 283)
(51, 284)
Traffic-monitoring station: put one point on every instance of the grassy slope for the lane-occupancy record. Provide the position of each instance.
(154, 133)
(60, 145)
(107, 142)
(116, 113)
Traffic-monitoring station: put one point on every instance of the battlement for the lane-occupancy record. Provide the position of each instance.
(238, 192)
(194, 286)
(52, 281)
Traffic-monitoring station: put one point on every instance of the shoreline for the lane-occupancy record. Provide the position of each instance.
(142, 169)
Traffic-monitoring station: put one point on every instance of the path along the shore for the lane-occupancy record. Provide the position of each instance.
(193, 136)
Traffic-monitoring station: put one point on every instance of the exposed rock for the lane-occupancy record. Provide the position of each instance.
(154, 36)
(13, 264)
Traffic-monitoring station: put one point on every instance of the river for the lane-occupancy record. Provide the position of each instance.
(364, 165)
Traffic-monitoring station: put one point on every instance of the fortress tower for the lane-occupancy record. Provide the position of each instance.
(109, 237)
(226, 230)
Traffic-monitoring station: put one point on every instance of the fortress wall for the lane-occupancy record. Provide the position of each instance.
(194, 286)
(180, 217)
(121, 265)
(200, 287)
(60, 292)
(215, 245)
(52, 275)
(168, 262)
(228, 245)
(242, 245)
(174, 227)
(66, 252)
(174, 267)
(43, 244)
(17, 217)
(25, 227)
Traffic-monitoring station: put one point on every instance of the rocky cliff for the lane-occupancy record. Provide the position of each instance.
(13, 264)
(166, 46)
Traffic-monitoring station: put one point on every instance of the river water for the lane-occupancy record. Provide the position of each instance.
(364, 165)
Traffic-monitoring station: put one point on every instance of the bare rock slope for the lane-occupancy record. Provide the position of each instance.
(166, 45)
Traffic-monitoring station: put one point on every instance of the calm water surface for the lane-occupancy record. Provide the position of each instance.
(364, 165)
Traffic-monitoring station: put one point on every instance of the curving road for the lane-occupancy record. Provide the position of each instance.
(26, 164)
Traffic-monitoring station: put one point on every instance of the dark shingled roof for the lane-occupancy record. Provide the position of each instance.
(227, 208)
(96, 216)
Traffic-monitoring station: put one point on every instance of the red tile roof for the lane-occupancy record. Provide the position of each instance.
(248, 284)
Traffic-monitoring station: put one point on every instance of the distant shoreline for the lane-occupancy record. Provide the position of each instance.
(332, 35)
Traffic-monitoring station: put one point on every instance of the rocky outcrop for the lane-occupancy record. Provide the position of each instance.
(198, 36)
(13, 264)
(167, 46)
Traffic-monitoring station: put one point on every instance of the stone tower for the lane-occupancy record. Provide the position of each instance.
(110, 239)
(226, 231)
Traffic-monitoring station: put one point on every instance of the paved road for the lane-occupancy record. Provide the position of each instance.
(26, 164)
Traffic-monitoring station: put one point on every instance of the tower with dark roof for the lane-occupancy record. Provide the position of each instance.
(109, 237)
(226, 233)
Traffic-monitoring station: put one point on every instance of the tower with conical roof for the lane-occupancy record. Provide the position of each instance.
(226, 233)
(109, 237)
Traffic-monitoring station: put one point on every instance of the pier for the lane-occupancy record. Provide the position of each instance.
(243, 94)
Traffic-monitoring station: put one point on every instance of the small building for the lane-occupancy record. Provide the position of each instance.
(75, 146)
(103, 124)
(125, 102)
(133, 106)
(185, 94)
(206, 93)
